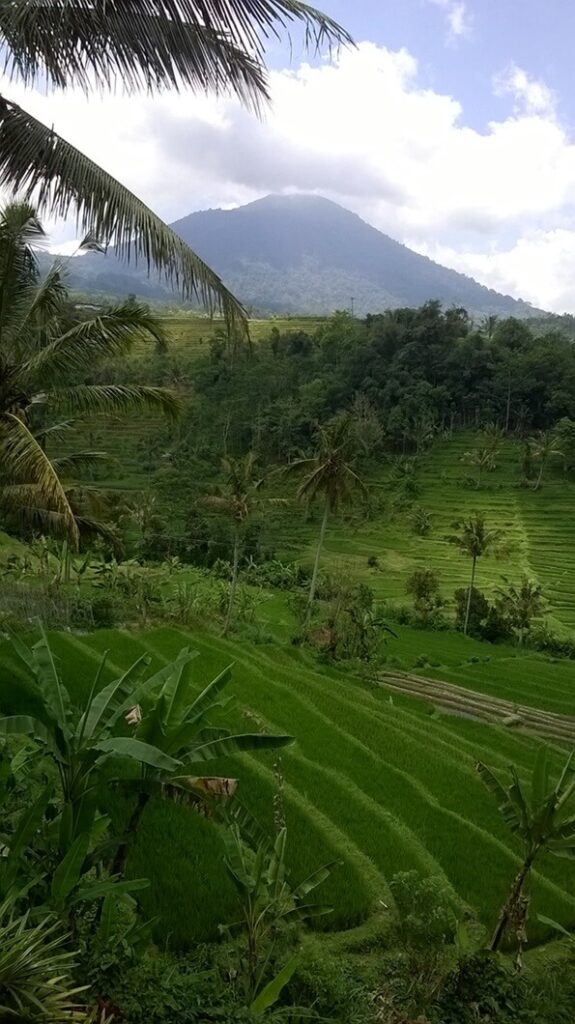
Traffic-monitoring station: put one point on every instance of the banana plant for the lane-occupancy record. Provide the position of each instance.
(179, 724)
(543, 820)
(269, 903)
(80, 740)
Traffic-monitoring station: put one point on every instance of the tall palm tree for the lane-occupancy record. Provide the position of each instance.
(43, 352)
(475, 540)
(544, 447)
(329, 474)
(544, 822)
(143, 45)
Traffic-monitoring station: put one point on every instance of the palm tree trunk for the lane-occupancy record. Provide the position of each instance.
(121, 855)
(540, 476)
(234, 583)
(509, 909)
(469, 593)
(313, 585)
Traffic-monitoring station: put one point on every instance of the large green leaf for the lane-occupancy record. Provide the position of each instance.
(540, 778)
(507, 808)
(101, 709)
(69, 871)
(206, 698)
(54, 692)
(234, 744)
(272, 991)
(102, 889)
(18, 725)
(26, 829)
(135, 750)
(315, 879)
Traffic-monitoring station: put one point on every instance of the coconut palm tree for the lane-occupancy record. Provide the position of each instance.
(475, 540)
(238, 500)
(141, 45)
(482, 459)
(544, 447)
(328, 475)
(521, 603)
(43, 354)
(544, 822)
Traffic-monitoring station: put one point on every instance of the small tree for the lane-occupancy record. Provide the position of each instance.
(544, 822)
(475, 540)
(269, 903)
(520, 604)
(329, 473)
(423, 586)
(481, 459)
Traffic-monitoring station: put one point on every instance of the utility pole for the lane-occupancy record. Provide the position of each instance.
(352, 304)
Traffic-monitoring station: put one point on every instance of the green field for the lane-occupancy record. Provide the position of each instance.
(380, 783)
(538, 530)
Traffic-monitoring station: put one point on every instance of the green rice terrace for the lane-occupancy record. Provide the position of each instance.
(376, 780)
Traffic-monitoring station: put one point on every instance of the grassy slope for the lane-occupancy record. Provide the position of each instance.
(538, 530)
(381, 785)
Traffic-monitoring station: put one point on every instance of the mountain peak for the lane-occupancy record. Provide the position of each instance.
(303, 253)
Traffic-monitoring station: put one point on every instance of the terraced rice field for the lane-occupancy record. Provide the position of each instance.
(376, 780)
(134, 442)
(538, 530)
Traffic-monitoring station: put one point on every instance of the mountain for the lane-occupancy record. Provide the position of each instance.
(303, 254)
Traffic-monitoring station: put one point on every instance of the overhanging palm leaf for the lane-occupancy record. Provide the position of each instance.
(147, 44)
(88, 399)
(152, 44)
(26, 460)
(111, 334)
(36, 162)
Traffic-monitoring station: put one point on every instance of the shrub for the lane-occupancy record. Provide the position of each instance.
(423, 585)
(481, 988)
(478, 610)
(421, 521)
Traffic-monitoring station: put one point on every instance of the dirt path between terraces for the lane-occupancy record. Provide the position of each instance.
(457, 700)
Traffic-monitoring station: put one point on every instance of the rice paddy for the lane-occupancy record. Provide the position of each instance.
(379, 782)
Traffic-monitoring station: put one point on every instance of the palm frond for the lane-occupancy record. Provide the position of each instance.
(91, 399)
(152, 44)
(78, 460)
(111, 334)
(24, 461)
(37, 162)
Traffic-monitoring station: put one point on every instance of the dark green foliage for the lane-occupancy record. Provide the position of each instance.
(482, 988)
(478, 610)
(423, 585)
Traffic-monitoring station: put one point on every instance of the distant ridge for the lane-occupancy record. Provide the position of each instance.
(304, 254)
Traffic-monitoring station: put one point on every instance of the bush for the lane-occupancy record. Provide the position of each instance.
(478, 610)
(334, 987)
(163, 989)
(423, 585)
(482, 988)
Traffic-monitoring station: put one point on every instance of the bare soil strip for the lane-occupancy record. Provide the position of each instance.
(459, 701)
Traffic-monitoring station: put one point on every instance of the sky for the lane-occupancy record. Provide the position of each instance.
(450, 126)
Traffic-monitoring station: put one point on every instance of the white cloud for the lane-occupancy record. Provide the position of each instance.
(498, 203)
(531, 95)
(539, 267)
(457, 16)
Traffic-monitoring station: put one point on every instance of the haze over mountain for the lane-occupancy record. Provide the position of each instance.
(303, 254)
